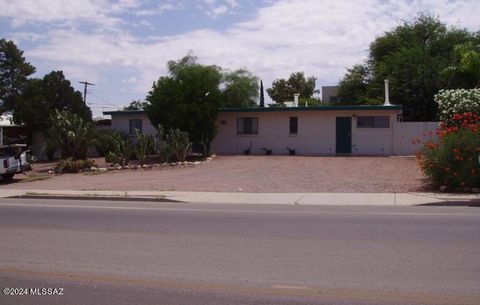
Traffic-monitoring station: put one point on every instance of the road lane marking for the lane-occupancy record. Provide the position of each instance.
(286, 290)
(233, 210)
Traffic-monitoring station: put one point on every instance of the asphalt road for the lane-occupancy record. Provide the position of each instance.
(103, 252)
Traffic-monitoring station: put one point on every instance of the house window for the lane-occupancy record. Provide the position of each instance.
(293, 125)
(135, 124)
(247, 125)
(373, 122)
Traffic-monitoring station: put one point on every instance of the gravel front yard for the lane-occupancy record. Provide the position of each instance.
(252, 174)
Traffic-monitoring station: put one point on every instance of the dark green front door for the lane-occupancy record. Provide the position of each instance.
(343, 135)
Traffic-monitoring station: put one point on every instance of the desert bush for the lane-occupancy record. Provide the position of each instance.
(453, 161)
(105, 140)
(451, 102)
(121, 153)
(71, 165)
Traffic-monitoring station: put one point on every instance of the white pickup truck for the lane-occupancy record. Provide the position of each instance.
(13, 160)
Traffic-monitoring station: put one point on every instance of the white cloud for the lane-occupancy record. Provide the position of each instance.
(160, 9)
(41, 11)
(321, 38)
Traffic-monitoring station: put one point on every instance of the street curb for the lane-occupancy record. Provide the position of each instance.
(94, 198)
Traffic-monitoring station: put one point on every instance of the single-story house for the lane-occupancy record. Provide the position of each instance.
(318, 130)
(322, 130)
(126, 121)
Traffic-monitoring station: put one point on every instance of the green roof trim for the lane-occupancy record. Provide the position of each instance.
(316, 108)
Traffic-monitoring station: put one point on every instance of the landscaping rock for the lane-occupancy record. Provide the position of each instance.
(197, 162)
(118, 167)
(126, 167)
(156, 165)
(93, 168)
(102, 169)
(144, 166)
(443, 188)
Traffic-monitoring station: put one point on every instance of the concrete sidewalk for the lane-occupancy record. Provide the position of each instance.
(385, 199)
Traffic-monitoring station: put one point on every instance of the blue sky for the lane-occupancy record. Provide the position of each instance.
(123, 45)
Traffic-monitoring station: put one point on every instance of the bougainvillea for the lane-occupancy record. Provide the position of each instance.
(454, 161)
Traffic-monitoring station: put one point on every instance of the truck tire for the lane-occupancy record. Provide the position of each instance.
(8, 176)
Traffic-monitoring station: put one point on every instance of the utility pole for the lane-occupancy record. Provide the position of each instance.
(85, 90)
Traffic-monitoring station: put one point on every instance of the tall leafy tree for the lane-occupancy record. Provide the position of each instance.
(240, 89)
(14, 71)
(353, 87)
(413, 57)
(41, 97)
(187, 99)
(282, 90)
(465, 70)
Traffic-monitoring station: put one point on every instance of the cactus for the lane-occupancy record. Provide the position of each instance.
(180, 142)
(143, 147)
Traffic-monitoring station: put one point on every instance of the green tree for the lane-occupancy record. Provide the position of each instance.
(41, 97)
(14, 71)
(353, 87)
(241, 89)
(136, 105)
(187, 99)
(413, 57)
(282, 90)
(465, 71)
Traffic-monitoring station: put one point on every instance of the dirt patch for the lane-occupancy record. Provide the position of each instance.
(252, 174)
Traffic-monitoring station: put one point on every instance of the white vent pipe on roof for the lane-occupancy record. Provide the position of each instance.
(295, 99)
(387, 94)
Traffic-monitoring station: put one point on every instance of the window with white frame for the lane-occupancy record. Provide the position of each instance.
(247, 125)
(373, 122)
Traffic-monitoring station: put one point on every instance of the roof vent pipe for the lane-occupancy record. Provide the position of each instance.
(387, 94)
(295, 99)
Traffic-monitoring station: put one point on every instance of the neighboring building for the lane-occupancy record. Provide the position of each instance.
(329, 94)
(126, 121)
(319, 130)
(10, 132)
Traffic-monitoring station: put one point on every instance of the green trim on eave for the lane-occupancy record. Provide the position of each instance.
(124, 112)
(316, 108)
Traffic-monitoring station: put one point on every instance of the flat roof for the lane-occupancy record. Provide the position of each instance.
(316, 108)
(280, 109)
(124, 112)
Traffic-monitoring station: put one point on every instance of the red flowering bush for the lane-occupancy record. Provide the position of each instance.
(453, 161)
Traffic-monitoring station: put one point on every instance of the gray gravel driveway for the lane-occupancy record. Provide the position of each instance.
(254, 174)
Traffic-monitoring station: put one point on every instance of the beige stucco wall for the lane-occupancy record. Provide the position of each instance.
(316, 133)
(121, 122)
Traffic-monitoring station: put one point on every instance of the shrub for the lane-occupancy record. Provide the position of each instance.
(71, 165)
(451, 102)
(454, 160)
